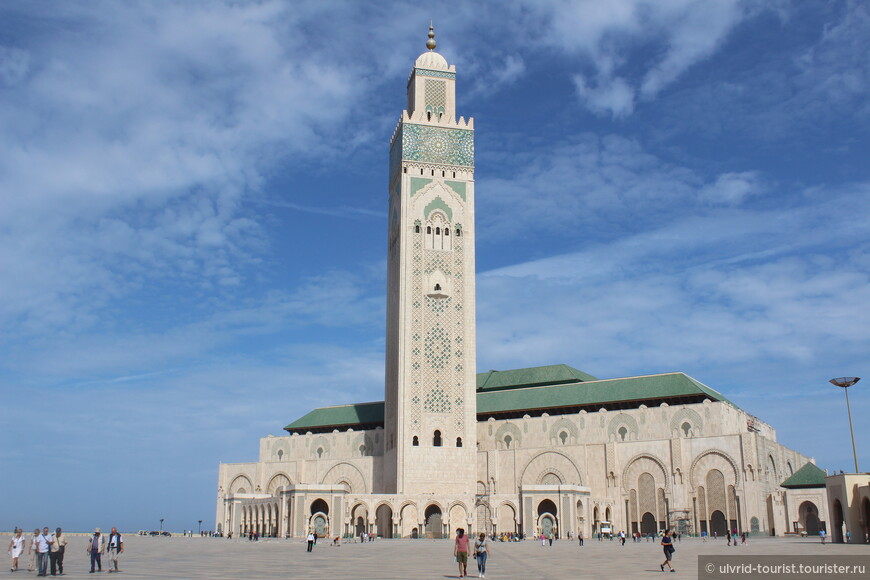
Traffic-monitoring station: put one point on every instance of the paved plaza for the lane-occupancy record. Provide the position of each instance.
(221, 559)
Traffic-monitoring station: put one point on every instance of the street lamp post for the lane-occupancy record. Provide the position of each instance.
(161, 524)
(845, 383)
(200, 527)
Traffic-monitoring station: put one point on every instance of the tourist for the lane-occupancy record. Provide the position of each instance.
(580, 537)
(668, 547)
(743, 538)
(460, 552)
(31, 551)
(96, 547)
(550, 538)
(116, 548)
(822, 535)
(848, 537)
(57, 550)
(311, 539)
(481, 552)
(704, 536)
(622, 537)
(43, 546)
(16, 548)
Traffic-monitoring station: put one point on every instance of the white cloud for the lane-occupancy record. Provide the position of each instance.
(732, 188)
(660, 38)
(610, 95)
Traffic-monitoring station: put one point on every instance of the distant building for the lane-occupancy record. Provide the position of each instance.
(849, 506)
(540, 450)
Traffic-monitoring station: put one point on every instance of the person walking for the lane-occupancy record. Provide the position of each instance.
(57, 550)
(311, 538)
(460, 552)
(16, 548)
(31, 551)
(668, 547)
(96, 547)
(115, 547)
(43, 546)
(580, 537)
(481, 552)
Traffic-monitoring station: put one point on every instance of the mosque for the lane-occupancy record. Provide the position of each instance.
(546, 449)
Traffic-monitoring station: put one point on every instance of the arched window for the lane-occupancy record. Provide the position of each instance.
(280, 454)
(416, 229)
(437, 231)
(623, 432)
(507, 441)
(362, 450)
(563, 436)
(458, 232)
(319, 452)
(459, 441)
(446, 231)
(436, 439)
(686, 428)
(415, 441)
(437, 287)
(428, 229)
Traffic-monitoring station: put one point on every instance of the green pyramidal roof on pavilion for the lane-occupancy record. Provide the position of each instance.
(807, 476)
(554, 389)
(534, 376)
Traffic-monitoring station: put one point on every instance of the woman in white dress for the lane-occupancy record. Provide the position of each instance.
(16, 547)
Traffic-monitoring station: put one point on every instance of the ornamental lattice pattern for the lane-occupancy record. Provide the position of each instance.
(436, 95)
(440, 145)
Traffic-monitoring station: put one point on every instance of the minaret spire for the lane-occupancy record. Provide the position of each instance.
(430, 44)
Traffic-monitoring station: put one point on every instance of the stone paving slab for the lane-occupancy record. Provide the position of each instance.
(221, 559)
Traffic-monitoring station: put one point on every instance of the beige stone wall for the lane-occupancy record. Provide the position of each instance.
(699, 458)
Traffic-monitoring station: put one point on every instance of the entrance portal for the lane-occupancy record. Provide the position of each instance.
(718, 525)
(547, 525)
(648, 524)
(319, 523)
(434, 527)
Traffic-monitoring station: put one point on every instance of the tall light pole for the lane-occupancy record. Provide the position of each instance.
(161, 524)
(845, 383)
(200, 527)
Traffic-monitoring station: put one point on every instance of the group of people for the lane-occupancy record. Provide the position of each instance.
(45, 551)
(43, 547)
(479, 551)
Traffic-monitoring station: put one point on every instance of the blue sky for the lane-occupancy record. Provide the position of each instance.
(193, 233)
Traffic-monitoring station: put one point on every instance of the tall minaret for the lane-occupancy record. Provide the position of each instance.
(431, 405)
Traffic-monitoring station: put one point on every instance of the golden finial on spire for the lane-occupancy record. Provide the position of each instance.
(430, 44)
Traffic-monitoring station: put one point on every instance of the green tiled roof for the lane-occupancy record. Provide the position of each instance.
(807, 476)
(547, 375)
(341, 416)
(596, 393)
(540, 389)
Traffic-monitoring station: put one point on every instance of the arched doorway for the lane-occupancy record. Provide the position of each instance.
(596, 520)
(319, 514)
(717, 523)
(359, 519)
(808, 518)
(434, 527)
(384, 521)
(547, 518)
(648, 524)
(838, 522)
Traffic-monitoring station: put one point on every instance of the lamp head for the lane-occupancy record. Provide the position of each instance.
(845, 382)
